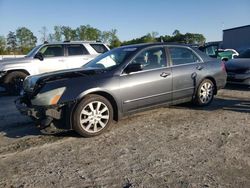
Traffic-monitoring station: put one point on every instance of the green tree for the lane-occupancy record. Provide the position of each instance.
(26, 40)
(176, 32)
(194, 38)
(2, 45)
(68, 33)
(44, 33)
(57, 33)
(105, 36)
(51, 37)
(11, 42)
(114, 40)
(150, 37)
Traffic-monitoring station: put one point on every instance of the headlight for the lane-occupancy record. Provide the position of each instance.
(48, 98)
(29, 83)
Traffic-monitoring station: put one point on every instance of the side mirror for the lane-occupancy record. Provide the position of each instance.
(134, 67)
(39, 56)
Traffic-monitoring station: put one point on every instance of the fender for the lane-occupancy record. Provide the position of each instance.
(31, 70)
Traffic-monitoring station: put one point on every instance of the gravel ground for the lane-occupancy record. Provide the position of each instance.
(181, 146)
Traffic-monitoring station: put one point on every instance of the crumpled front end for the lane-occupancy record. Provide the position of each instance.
(43, 105)
(44, 116)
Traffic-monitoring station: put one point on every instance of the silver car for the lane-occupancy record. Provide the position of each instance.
(46, 58)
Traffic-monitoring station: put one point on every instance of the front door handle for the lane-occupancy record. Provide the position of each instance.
(199, 67)
(164, 74)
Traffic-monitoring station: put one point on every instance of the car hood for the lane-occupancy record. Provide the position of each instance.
(14, 60)
(65, 74)
(238, 64)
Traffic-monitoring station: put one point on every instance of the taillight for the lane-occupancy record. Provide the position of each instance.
(223, 67)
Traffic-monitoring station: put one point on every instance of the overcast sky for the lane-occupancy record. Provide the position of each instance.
(132, 18)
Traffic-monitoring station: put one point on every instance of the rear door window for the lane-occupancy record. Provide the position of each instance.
(99, 48)
(76, 49)
(180, 55)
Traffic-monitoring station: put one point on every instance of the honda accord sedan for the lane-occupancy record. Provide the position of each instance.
(120, 82)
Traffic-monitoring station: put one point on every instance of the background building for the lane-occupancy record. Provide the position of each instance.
(237, 38)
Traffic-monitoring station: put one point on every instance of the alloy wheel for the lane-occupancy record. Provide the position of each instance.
(206, 92)
(94, 116)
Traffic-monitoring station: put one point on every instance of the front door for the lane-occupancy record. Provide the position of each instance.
(150, 86)
(54, 58)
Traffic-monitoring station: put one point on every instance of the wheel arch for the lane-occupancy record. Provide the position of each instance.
(18, 70)
(108, 96)
(209, 78)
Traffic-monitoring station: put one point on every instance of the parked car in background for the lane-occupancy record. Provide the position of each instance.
(120, 82)
(214, 50)
(46, 58)
(238, 69)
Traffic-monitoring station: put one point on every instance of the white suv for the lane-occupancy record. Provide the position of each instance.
(46, 58)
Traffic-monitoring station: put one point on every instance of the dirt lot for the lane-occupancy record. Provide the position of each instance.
(181, 146)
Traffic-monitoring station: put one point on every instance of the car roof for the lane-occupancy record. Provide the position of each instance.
(74, 42)
(191, 46)
(143, 45)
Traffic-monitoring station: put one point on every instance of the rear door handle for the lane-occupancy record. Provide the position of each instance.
(164, 74)
(199, 67)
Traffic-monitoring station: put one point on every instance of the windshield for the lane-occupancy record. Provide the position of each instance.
(245, 54)
(110, 59)
(33, 51)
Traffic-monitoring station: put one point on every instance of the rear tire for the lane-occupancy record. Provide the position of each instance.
(14, 82)
(93, 116)
(205, 93)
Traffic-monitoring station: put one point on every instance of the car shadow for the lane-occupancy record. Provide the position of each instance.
(236, 105)
(237, 87)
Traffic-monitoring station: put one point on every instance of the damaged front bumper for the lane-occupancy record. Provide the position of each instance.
(44, 116)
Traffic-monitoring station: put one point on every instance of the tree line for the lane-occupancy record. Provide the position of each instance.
(23, 40)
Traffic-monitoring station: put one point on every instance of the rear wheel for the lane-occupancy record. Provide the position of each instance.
(93, 116)
(205, 93)
(14, 82)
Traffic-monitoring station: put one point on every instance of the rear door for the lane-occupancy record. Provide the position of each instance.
(187, 68)
(150, 86)
(77, 55)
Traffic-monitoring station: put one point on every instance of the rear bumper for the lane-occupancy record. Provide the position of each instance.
(243, 79)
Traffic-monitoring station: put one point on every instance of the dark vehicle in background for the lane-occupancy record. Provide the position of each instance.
(238, 69)
(122, 81)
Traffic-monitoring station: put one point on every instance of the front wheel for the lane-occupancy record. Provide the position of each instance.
(14, 82)
(205, 93)
(93, 115)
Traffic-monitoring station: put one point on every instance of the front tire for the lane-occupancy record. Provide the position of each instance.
(14, 82)
(205, 93)
(93, 116)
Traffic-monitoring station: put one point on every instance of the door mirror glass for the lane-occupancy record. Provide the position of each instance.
(39, 56)
(134, 67)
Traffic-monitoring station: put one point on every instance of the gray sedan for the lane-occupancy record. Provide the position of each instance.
(120, 82)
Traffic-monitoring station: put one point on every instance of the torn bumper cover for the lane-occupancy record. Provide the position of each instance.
(43, 115)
